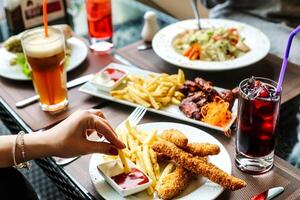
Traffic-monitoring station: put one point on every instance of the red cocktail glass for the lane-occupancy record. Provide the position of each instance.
(258, 112)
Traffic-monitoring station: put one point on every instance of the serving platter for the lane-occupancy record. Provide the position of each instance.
(257, 41)
(79, 52)
(172, 111)
(201, 187)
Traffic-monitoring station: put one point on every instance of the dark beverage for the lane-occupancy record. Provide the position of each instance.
(99, 19)
(257, 118)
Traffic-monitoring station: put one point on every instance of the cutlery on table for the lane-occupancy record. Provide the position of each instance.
(144, 46)
(196, 12)
(269, 194)
(70, 84)
(135, 117)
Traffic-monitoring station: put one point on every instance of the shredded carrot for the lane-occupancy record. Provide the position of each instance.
(216, 113)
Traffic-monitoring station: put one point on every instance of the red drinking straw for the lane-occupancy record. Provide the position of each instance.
(45, 17)
(286, 57)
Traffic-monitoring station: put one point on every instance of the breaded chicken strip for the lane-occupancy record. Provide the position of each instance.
(198, 166)
(202, 149)
(174, 183)
(161, 157)
(176, 137)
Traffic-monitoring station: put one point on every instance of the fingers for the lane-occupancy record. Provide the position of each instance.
(97, 112)
(102, 127)
(101, 147)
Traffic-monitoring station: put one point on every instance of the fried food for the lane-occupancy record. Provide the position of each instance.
(198, 166)
(202, 149)
(161, 157)
(176, 137)
(174, 183)
(156, 90)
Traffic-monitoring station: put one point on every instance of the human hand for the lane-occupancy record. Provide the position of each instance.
(69, 138)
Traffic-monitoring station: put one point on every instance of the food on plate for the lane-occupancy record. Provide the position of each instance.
(154, 91)
(203, 102)
(198, 166)
(202, 149)
(179, 166)
(175, 136)
(13, 45)
(211, 44)
(174, 183)
(108, 78)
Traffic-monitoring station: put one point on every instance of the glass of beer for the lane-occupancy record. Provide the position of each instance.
(45, 57)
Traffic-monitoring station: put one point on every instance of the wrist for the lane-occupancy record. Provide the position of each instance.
(38, 145)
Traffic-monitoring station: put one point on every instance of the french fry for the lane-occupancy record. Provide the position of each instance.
(150, 138)
(175, 101)
(141, 159)
(124, 161)
(148, 164)
(156, 168)
(150, 190)
(132, 131)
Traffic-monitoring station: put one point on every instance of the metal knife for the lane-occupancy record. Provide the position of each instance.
(269, 194)
(70, 84)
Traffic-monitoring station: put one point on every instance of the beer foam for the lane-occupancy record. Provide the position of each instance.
(39, 46)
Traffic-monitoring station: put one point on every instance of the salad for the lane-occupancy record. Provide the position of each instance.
(212, 44)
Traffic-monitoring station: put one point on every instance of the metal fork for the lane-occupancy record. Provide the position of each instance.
(196, 12)
(135, 117)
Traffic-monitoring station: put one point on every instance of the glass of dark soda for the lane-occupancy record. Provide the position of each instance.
(258, 112)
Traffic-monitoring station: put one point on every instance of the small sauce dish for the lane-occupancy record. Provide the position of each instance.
(125, 184)
(109, 78)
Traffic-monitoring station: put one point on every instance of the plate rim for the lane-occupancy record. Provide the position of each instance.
(156, 41)
(171, 124)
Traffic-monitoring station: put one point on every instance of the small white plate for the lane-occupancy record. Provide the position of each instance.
(170, 111)
(200, 188)
(79, 52)
(254, 38)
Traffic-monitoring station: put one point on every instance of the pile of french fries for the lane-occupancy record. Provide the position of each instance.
(138, 150)
(154, 91)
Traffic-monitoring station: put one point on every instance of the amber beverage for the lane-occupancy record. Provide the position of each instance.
(45, 56)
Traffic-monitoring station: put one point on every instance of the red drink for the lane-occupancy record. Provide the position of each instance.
(258, 112)
(99, 19)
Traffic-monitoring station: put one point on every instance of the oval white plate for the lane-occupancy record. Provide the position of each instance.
(199, 188)
(254, 38)
(79, 52)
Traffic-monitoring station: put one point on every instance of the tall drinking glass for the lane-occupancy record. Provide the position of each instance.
(45, 56)
(258, 112)
(99, 18)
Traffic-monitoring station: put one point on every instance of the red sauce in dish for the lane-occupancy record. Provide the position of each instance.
(114, 74)
(131, 180)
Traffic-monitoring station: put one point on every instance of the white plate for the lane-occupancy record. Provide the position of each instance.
(170, 111)
(79, 52)
(254, 38)
(200, 188)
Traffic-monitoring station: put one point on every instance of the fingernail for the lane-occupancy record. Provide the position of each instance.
(113, 151)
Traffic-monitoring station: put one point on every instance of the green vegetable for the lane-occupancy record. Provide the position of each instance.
(21, 60)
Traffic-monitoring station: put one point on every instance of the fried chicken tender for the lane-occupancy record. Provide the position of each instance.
(161, 157)
(198, 166)
(176, 137)
(174, 183)
(202, 149)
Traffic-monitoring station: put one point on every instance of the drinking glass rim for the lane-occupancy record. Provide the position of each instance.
(274, 84)
(27, 32)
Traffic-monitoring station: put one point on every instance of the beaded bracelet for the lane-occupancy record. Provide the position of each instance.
(22, 147)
